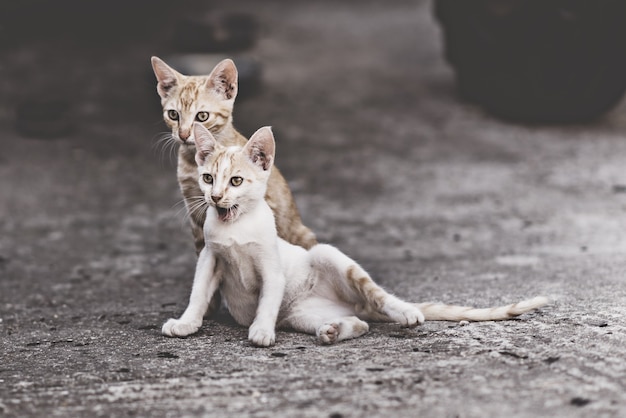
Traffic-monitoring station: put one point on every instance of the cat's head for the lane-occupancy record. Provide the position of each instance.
(234, 179)
(205, 99)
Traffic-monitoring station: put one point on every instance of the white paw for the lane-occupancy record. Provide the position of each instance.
(328, 333)
(178, 328)
(261, 336)
(410, 316)
(413, 317)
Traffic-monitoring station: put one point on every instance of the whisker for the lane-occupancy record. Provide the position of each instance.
(199, 208)
(179, 203)
(195, 199)
(161, 138)
(192, 206)
(173, 150)
(192, 213)
(185, 212)
(182, 212)
(165, 144)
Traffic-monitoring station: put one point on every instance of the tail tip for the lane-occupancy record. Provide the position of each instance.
(541, 301)
(532, 304)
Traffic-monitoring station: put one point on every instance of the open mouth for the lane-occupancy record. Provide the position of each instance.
(227, 214)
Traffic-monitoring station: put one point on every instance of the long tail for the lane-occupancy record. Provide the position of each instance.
(442, 312)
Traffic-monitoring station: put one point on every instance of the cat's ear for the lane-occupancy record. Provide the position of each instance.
(223, 79)
(166, 76)
(205, 143)
(261, 148)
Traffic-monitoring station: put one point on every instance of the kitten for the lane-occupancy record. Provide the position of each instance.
(209, 100)
(268, 282)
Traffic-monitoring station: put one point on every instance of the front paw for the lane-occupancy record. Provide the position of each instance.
(178, 328)
(261, 336)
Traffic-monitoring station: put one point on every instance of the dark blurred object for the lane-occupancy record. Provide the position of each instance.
(542, 61)
(44, 118)
(230, 32)
(88, 22)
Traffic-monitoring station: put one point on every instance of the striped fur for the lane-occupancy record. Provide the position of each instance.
(441, 312)
(268, 282)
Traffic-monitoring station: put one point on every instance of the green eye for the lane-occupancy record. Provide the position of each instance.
(207, 178)
(172, 114)
(202, 116)
(236, 181)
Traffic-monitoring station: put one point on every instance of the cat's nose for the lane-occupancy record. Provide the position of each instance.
(216, 198)
(184, 135)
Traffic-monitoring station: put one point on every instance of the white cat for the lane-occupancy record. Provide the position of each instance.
(267, 282)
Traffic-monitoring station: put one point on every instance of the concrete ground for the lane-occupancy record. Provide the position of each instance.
(438, 200)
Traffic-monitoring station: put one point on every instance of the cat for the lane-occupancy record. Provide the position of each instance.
(209, 100)
(268, 282)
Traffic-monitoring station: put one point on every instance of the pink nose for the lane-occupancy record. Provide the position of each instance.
(184, 135)
(216, 198)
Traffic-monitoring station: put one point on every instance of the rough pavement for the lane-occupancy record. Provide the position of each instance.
(438, 200)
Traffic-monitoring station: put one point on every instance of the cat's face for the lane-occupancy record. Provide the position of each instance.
(234, 179)
(185, 100)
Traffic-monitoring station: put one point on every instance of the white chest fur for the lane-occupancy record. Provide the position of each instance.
(242, 250)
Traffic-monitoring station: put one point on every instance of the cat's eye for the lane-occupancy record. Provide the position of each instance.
(172, 114)
(236, 181)
(202, 116)
(207, 178)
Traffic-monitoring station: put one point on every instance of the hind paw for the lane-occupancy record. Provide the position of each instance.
(408, 317)
(413, 318)
(328, 333)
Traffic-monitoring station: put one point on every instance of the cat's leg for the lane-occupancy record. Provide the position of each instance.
(352, 284)
(262, 331)
(198, 237)
(196, 211)
(205, 283)
(329, 320)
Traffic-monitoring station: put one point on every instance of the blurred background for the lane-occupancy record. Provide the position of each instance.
(522, 60)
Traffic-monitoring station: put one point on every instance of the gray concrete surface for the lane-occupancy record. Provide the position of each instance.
(437, 199)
